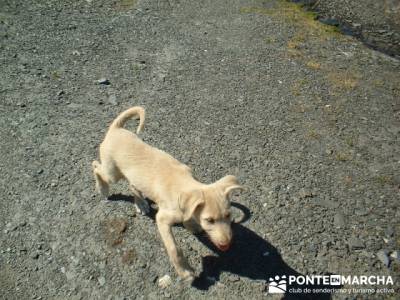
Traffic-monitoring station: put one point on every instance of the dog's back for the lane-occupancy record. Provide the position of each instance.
(150, 170)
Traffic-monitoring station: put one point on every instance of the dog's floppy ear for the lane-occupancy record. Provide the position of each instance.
(189, 202)
(229, 184)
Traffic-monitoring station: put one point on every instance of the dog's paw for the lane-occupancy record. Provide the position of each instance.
(142, 207)
(103, 190)
(187, 276)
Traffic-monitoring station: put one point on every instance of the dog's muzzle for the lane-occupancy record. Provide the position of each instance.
(223, 247)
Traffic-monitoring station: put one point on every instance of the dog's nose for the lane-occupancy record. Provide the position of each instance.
(224, 247)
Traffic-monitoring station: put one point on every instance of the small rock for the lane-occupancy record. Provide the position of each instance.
(40, 171)
(329, 151)
(389, 232)
(103, 81)
(303, 193)
(60, 93)
(164, 281)
(395, 255)
(266, 253)
(361, 212)
(233, 278)
(35, 255)
(101, 280)
(355, 243)
(383, 257)
(112, 99)
(338, 220)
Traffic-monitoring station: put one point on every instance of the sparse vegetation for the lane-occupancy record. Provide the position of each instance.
(344, 80)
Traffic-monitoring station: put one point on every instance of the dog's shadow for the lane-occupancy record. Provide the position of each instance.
(250, 256)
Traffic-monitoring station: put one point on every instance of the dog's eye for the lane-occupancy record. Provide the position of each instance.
(228, 216)
(210, 220)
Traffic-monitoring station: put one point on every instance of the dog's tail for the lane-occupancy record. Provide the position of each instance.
(120, 121)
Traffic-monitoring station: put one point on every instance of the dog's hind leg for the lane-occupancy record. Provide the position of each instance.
(141, 205)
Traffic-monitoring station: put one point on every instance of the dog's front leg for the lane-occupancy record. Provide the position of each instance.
(164, 223)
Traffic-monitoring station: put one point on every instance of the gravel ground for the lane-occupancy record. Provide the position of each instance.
(308, 119)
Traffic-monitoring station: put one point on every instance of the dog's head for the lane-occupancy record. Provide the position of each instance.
(210, 208)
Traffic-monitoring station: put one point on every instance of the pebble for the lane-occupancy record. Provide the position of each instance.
(103, 81)
(112, 99)
(35, 255)
(338, 220)
(395, 255)
(361, 212)
(383, 257)
(164, 281)
(101, 280)
(303, 193)
(355, 243)
(233, 278)
(389, 232)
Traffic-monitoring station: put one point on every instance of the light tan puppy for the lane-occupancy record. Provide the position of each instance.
(155, 174)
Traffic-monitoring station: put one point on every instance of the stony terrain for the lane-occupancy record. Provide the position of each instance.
(307, 118)
(377, 23)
